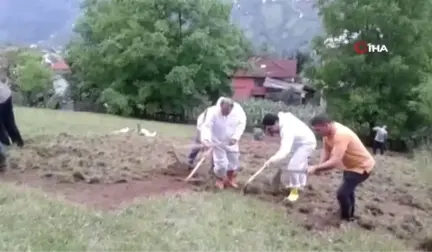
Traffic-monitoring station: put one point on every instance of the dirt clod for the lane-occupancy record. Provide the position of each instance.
(425, 245)
(78, 176)
(374, 210)
(366, 224)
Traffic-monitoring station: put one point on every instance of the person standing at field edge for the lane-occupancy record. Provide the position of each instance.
(7, 118)
(296, 138)
(342, 146)
(221, 131)
(380, 139)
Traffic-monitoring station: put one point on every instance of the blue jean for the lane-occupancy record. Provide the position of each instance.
(346, 195)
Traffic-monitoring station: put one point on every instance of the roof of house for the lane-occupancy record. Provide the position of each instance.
(278, 84)
(274, 68)
(61, 65)
(56, 62)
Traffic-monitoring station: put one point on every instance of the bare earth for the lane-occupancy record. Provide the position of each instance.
(109, 172)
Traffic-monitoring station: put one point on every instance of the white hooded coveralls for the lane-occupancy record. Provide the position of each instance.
(299, 140)
(219, 130)
(200, 119)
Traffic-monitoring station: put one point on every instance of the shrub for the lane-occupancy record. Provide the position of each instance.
(256, 108)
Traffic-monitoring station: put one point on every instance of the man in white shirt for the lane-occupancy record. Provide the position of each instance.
(296, 139)
(197, 140)
(380, 139)
(222, 129)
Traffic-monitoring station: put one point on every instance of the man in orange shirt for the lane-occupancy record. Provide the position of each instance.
(343, 147)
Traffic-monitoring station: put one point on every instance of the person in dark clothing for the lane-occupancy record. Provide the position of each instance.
(7, 117)
(2, 158)
(4, 136)
(380, 139)
(343, 146)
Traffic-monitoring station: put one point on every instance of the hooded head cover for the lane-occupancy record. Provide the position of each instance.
(225, 100)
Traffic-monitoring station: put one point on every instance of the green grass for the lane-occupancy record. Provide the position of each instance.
(30, 220)
(205, 222)
(45, 121)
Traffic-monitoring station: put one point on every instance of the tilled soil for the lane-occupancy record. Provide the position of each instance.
(111, 171)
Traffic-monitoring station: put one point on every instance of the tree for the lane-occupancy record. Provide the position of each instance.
(303, 59)
(156, 55)
(32, 77)
(374, 87)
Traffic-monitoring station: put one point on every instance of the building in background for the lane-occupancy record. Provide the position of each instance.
(60, 84)
(270, 79)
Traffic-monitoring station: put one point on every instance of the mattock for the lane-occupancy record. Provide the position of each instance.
(198, 165)
(253, 177)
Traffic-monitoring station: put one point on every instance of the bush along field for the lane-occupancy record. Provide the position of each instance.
(255, 109)
(76, 186)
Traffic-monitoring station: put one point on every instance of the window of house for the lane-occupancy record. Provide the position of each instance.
(259, 82)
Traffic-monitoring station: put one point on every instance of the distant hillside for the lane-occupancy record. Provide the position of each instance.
(27, 22)
(285, 25)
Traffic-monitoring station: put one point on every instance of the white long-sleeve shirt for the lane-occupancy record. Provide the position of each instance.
(201, 119)
(294, 133)
(381, 134)
(219, 129)
(5, 92)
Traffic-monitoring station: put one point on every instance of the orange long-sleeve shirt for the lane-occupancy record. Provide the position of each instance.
(356, 157)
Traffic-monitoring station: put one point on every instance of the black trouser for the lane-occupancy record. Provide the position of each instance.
(4, 136)
(378, 146)
(7, 119)
(346, 193)
(2, 158)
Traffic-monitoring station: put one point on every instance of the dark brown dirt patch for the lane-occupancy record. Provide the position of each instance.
(106, 172)
(109, 171)
(101, 196)
(103, 159)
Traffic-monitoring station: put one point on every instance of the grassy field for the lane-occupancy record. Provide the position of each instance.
(31, 220)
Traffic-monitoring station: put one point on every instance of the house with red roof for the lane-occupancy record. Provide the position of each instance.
(265, 77)
(56, 63)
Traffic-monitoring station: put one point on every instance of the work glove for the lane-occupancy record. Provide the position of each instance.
(206, 144)
(312, 169)
(232, 142)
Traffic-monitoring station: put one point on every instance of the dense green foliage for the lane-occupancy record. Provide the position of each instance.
(376, 88)
(147, 56)
(255, 109)
(31, 78)
(144, 57)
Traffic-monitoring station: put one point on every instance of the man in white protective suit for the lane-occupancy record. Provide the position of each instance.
(296, 139)
(222, 129)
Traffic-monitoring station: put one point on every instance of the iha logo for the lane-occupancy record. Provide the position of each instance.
(363, 47)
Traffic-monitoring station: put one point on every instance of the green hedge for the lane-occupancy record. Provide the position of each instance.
(256, 108)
